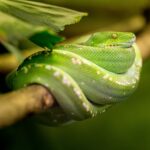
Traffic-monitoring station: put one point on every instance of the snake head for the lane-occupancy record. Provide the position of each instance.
(105, 39)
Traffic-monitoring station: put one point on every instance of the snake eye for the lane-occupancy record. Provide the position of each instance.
(114, 35)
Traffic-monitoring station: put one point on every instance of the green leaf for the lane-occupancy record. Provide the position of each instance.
(41, 14)
(20, 31)
(45, 39)
(13, 30)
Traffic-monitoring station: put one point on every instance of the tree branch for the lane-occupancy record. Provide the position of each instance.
(18, 104)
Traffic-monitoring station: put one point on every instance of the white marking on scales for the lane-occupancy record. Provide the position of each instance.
(98, 72)
(76, 61)
(48, 67)
(86, 106)
(77, 92)
(66, 81)
(56, 73)
(106, 76)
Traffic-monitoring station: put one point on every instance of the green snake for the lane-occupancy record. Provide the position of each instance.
(85, 78)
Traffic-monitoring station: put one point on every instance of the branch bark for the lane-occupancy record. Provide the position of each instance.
(16, 105)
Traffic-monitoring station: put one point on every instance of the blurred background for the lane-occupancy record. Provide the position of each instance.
(125, 126)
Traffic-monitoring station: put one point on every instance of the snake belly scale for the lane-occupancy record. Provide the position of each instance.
(85, 78)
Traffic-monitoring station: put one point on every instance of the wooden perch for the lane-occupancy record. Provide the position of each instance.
(19, 104)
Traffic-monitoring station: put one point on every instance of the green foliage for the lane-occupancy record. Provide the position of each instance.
(48, 40)
(22, 19)
(41, 14)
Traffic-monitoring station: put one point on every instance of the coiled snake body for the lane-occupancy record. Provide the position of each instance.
(84, 78)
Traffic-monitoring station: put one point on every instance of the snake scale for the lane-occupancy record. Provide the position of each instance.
(85, 78)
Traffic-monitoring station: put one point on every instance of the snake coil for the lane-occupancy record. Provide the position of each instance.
(85, 78)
